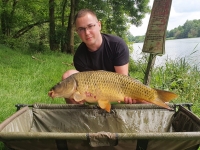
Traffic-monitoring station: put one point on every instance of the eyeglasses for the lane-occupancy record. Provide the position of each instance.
(89, 28)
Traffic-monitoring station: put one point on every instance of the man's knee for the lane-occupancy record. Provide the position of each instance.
(69, 73)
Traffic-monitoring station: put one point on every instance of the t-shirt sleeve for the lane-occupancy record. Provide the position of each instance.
(121, 54)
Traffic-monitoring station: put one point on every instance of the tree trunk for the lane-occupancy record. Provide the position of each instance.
(7, 17)
(69, 43)
(72, 15)
(52, 34)
(3, 23)
(5, 26)
(63, 24)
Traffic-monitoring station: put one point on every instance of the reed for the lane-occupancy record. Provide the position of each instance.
(182, 78)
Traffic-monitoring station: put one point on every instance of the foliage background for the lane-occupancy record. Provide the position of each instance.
(190, 29)
(40, 25)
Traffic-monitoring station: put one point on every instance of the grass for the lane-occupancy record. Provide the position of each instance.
(178, 76)
(26, 77)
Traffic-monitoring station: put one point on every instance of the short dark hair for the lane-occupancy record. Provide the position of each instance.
(83, 12)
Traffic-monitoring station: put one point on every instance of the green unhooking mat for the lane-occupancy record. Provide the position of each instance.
(86, 127)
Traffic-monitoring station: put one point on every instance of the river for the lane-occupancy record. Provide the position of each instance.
(174, 50)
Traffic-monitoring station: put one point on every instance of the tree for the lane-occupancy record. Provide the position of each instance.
(187, 26)
(7, 16)
(188, 30)
(52, 33)
(122, 13)
(17, 18)
(69, 42)
(64, 5)
(192, 33)
(23, 21)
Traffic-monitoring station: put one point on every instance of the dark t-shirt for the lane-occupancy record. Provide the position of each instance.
(112, 52)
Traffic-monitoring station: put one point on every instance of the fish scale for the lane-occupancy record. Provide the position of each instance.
(97, 86)
(104, 87)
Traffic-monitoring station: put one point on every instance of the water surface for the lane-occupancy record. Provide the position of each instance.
(174, 50)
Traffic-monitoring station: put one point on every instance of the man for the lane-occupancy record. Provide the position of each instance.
(98, 51)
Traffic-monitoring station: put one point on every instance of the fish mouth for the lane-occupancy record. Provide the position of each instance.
(51, 94)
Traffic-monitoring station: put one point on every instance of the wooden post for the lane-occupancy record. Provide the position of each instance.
(151, 62)
(154, 42)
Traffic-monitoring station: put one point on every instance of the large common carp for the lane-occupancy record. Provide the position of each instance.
(104, 87)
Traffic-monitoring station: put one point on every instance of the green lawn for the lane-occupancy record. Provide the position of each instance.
(26, 78)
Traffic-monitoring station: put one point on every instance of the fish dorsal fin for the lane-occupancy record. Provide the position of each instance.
(104, 104)
(77, 96)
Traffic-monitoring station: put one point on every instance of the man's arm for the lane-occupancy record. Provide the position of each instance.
(122, 69)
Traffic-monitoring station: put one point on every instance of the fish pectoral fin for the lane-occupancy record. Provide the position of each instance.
(104, 104)
(77, 96)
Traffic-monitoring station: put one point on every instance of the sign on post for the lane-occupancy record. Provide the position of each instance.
(155, 36)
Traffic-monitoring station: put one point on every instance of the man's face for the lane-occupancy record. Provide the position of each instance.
(88, 29)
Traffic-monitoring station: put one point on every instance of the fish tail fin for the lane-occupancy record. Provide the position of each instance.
(164, 96)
